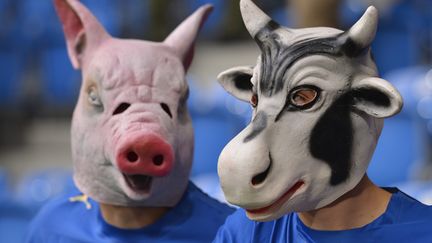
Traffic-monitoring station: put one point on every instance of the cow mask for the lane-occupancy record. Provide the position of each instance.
(132, 137)
(318, 112)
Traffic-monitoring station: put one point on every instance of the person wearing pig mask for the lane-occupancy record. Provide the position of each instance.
(298, 170)
(132, 140)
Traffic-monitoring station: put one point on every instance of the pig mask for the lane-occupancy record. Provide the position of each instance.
(318, 113)
(132, 138)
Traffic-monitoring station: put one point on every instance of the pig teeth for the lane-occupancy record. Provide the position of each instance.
(140, 183)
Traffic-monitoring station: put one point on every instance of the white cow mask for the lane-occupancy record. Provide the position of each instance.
(318, 113)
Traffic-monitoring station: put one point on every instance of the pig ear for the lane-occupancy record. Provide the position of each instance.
(82, 30)
(237, 81)
(182, 39)
(376, 97)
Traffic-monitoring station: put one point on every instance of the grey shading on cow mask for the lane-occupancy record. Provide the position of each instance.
(318, 113)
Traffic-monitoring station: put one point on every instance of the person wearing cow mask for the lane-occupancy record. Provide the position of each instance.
(299, 168)
(132, 140)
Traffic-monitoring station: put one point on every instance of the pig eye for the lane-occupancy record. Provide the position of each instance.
(254, 100)
(166, 108)
(304, 97)
(93, 97)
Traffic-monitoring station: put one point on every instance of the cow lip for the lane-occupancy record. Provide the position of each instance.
(139, 183)
(279, 202)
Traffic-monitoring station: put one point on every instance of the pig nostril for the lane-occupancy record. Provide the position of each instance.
(132, 157)
(121, 108)
(158, 160)
(260, 178)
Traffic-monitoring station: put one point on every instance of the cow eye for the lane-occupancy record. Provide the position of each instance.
(93, 97)
(254, 100)
(303, 96)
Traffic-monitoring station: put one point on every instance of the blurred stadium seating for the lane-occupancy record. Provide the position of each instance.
(33, 60)
(4, 185)
(213, 24)
(12, 66)
(403, 38)
(403, 146)
(18, 207)
(60, 83)
(39, 187)
(14, 221)
(215, 122)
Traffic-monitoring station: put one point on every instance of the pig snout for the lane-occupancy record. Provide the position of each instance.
(146, 154)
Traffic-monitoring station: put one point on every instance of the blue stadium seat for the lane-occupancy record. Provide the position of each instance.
(10, 27)
(420, 190)
(384, 49)
(14, 221)
(107, 12)
(5, 191)
(209, 183)
(281, 16)
(60, 82)
(396, 153)
(215, 20)
(401, 148)
(403, 33)
(41, 27)
(34, 18)
(10, 78)
(214, 123)
(54, 36)
(136, 16)
(4, 4)
(38, 187)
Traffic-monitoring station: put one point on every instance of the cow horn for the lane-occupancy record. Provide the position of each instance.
(363, 32)
(254, 18)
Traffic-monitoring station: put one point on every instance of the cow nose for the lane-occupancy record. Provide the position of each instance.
(147, 154)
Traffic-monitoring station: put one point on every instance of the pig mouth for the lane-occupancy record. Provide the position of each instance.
(139, 183)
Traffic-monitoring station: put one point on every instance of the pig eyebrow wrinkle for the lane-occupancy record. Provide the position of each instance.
(117, 74)
(152, 75)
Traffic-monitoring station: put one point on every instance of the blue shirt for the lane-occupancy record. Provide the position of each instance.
(405, 220)
(196, 218)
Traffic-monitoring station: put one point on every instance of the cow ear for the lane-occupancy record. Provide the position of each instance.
(376, 97)
(237, 81)
(82, 30)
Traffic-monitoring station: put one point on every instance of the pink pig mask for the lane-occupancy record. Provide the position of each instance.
(132, 138)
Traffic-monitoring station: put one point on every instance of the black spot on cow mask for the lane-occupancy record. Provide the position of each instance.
(318, 112)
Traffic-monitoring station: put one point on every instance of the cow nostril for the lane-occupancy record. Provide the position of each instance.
(260, 178)
(132, 156)
(158, 160)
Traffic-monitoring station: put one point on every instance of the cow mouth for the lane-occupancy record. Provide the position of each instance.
(139, 183)
(279, 202)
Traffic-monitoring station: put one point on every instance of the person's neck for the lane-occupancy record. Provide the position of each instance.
(354, 209)
(131, 217)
